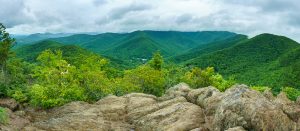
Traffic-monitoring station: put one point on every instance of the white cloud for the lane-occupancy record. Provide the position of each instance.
(248, 17)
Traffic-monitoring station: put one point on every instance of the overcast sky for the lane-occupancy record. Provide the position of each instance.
(250, 17)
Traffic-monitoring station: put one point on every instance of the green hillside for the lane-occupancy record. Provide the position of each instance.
(30, 52)
(137, 47)
(257, 61)
(263, 60)
(208, 48)
(169, 42)
(29, 39)
(71, 53)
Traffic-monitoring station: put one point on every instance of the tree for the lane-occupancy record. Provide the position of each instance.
(157, 61)
(5, 45)
(198, 78)
(147, 79)
(93, 77)
(57, 82)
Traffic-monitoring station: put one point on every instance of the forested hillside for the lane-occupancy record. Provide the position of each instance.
(72, 53)
(120, 46)
(257, 61)
(264, 60)
(29, 39)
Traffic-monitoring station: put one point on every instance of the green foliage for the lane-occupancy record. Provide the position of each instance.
(198, 78)
(71, 53)
(93, 78)
(157, 61)
(260, 88)
(122, 86)
(74, 73)
(17, 78)
(139, 45)
(12, 71)
(57, 81)
(148, 79)
(208, 48)
(173, 74)
(5, 45)
(3, 116)
(19, 95)
(291, 93)
(256, 61)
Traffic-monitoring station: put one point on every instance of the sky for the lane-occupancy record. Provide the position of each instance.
(250, 17)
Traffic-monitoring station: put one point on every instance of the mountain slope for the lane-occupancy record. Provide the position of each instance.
(139, 46)
(169, 42)
(70, 52)
(29, 39)
(30, 52)
(208, 48)
(255, 61)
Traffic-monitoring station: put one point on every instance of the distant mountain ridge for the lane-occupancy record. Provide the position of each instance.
(29, 39)
(169, 43)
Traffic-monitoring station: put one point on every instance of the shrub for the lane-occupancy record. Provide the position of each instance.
(19, 95)
(123, 86)
(148, 79)
(48, 97)
(291, 93)
(260, 88)
(3, 116)
(93, 78)
(57, 81)
(198, 78)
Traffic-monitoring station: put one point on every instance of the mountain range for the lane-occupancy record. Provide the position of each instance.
(265, 59)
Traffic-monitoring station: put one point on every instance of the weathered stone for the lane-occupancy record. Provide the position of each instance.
(197, 96)
(269, 95)
(15, 122)
(181, 89)
(239, 128)
(298, 100)
(133, 111)
(250, 110)
(9, 103)
(181, 109)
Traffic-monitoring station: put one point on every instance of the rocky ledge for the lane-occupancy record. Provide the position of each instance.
(180, 109)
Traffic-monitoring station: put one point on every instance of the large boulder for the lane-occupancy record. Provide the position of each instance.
(249, 109)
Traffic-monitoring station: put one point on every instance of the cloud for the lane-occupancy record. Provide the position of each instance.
(248, 17)
(121, 11)
(13, 12)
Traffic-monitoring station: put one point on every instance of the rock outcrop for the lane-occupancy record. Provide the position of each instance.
(9, 103)
(180, 109)
(16, 121)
